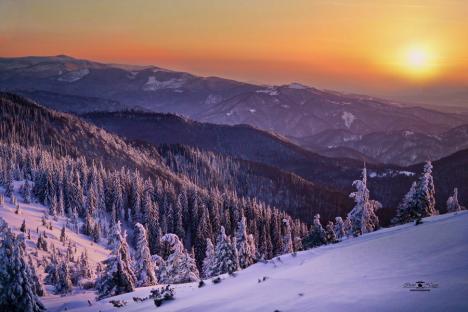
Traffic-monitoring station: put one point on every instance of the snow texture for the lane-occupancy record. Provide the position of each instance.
(74, 75)
(153, 84)
(348, 119)
(367, 273)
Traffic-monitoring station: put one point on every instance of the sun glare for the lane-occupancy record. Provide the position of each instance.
(418, 62)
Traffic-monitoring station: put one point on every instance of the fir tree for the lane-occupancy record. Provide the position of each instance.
(425, 194)
(339, 228)
(9, 188)
(118, 276)
(63, 284)
(23, 226)
(452, 202)
(17, 283)
(26, 191)
(226, 260)
(330, 234)
(287, 238)
(362, 216)
(316, 236)
(144, 269)
(208, 262)
(180, 266)
(63, 234)
(245, 253)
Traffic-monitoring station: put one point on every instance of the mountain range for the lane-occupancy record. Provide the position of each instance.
(327, 122)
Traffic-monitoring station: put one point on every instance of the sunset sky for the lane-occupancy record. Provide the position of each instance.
(384, 48)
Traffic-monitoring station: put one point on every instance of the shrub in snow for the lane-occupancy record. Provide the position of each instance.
(118, 303)
(161, 295)
(362, 216)
(452, 202)
(17, 283)
(180, 266)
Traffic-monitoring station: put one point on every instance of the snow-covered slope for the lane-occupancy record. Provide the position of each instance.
(32, 214)
(362, 274)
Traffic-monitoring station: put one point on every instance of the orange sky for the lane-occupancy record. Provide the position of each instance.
(352, 45)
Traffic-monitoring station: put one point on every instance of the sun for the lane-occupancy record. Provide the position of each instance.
(417, 58)
(417, 61)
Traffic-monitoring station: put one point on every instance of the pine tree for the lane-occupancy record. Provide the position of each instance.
(339, 228)
(23, 226)
(225, 255)
(287, 238)
(84, 266)
(208, 262)
(425, 194)
(144, 269)
(180, 266)
(9, 188)
(316, 236)
(63, 236)
(118, 276)
(246, 255)
(330, 234)
(63, 284)
(26, 192)
(362, 216)
(452, 202)
(17, 286)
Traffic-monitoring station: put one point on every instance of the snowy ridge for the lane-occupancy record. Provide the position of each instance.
(357, 274)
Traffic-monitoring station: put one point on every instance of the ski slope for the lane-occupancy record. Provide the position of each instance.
(361, 274)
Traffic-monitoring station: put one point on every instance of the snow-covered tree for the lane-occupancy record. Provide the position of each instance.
(244, 250)
(339, 228)
(316, 236)
(63, 235)
(180, 266)
(425, 195)
(208, 262)
(63, 284)
(452, 202)
(419, 202)
(23, 226)
(406, 210)
(330, 234)
(17, 286)
(362, 216)
(144, 269)
(287, 238)
(226, 260)
(9, 184)
(26, 192)
(118, 276)
(84, 267)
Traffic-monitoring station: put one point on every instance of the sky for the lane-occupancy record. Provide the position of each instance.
(412, 50)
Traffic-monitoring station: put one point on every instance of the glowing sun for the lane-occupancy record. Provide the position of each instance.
(418, 61)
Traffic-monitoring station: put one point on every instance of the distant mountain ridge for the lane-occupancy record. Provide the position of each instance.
(292, 110)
